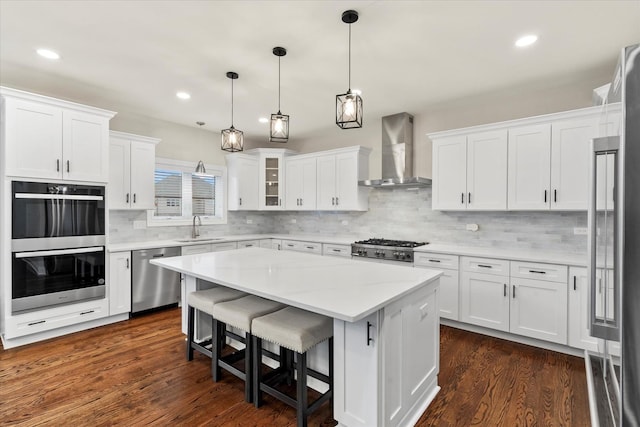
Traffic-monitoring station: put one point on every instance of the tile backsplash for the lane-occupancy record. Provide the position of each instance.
(393, 214)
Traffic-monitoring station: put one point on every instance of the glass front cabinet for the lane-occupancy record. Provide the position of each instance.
(271, 171)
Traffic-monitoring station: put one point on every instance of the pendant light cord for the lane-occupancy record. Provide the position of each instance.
(349, 57)
(279, 85)
(231, 102)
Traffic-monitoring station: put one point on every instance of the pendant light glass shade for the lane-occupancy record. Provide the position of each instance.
(279, 127)
(232, 138)
(349, 105)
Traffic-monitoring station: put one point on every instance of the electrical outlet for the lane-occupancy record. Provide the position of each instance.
(580, 230)
(249, 221)
(472, 227)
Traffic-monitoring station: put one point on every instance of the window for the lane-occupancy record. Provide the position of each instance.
(181, 193)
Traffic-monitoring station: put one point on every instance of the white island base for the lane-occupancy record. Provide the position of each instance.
(386, 342)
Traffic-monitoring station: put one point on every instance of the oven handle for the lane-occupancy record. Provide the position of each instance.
(59, 252)
(56, 196)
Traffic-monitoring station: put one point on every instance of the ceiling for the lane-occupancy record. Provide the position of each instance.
(134, 56)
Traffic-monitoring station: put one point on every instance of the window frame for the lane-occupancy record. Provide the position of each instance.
(188, 167)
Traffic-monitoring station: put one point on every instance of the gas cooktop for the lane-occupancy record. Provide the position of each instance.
(394, 243)
(387, 250)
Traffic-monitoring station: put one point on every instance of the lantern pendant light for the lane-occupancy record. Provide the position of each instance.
(349, 105)
(279, 127)
(232, 138)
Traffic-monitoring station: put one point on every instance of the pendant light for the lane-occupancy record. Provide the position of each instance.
(200, 167)
(232, 138)
(279, 128)
(349, 105)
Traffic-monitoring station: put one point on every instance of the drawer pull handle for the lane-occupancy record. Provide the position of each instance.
(537, 272)
(514, 291)
(37, 323)
(505, 290)
(336, 250)
(434, 260)
(485, 266)
(310, 247)
(574, 283)
(86, 312)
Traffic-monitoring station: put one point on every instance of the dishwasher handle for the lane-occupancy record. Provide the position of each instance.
(158, 255)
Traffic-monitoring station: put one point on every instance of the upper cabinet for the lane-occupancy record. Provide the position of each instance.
(53, 139)
(300, 184)
(276, 179)
(243, 182)
(132, 160)
(338, 173)
(471, 171)
(547, 168)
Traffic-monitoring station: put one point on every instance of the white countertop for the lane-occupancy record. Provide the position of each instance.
(540, 255)
(341, 288)
(167, 243)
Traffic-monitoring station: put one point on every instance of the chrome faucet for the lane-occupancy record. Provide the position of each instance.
(195, 231)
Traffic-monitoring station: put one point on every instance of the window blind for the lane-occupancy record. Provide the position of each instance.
(168, 189)
(203, 194)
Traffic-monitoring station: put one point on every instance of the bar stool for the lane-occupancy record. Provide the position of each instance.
(204, 301)
(297, 331)
(238, 313)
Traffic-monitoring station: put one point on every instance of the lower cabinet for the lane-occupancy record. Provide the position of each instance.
(336, 250)
(300, 246)
(449, 281)
(531, 300)
(579, 336)
(119, 282)
(248, 244)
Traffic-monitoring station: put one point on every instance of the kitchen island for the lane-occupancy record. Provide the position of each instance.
(386, 322)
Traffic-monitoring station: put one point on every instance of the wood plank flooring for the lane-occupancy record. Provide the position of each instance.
(135, 373)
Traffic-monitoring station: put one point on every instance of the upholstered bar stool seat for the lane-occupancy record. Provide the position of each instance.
(298, 331)
(238, 313)
(204, 301)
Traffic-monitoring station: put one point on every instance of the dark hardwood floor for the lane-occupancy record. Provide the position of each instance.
(135, 373)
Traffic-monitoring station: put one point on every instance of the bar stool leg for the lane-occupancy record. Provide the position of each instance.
(257, 370)
(216, 349)
(302, 402)
(190, 322)
(331, 370)
(248, 371)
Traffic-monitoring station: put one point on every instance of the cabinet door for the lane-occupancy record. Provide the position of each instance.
(570, 156)
(529, 167)
(143, 164)
(294, 184)
(85, 148)
(449, 294)
(309, 185)
(248, 184)
(120, 283)
(484, 300)
(539, 309)
(266, 243)
(33, 139)
(487, 171)
(326, 178)
(347, 181)
(450, 173)
(579, 336)
(271, 183)
(119, 173)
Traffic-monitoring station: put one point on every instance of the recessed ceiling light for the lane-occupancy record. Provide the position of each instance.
(527, 40)
(263, 120)
(48, 53)
(183, 95)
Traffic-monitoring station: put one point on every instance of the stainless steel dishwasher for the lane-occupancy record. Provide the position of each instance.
(152, 286)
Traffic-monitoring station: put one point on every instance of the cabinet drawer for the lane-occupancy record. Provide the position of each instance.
(486, 265)
(449, 262)
(337, 250)
(195, 249)
(249, 244)
(217, 247)
(295, 245)
(533, 270)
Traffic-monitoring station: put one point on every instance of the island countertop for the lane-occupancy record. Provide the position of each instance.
(344, 289)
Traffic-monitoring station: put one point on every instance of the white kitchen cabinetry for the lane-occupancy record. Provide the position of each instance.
(579, 335)
(301, 183)
(338, 173)
(271, 190)
(195, 249)
(484, 293)
(470, 172)
(132, 162)
(243, 182)
(54, 139)
(300, 246)
(248, 244)
(336, 250)
(539, 301)
(449, 281)
(119, 282)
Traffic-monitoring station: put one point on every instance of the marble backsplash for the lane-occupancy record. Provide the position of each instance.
(393, 214)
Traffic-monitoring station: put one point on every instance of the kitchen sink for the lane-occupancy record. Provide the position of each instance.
(199, 239)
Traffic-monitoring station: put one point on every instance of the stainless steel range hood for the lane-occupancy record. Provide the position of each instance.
(397, 154)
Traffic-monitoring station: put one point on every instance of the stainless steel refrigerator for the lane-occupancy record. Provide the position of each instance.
(614, 252)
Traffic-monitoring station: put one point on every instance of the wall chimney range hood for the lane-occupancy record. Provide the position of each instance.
(397, 155)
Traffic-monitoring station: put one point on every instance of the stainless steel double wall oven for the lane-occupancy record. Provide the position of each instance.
(58, 244)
